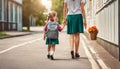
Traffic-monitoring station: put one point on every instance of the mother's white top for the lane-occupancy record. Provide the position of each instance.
(73, 6)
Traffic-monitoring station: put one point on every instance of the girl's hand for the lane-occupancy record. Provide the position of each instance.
(44, 38)
(44, 35)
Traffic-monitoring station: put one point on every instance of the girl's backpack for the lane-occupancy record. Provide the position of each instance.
(52, 30)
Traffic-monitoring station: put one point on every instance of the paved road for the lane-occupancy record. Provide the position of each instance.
(29, 52)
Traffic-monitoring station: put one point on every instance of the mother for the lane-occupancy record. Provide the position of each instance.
(73, 14)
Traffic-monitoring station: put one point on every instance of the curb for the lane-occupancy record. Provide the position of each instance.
(96, 57)
(91, 53)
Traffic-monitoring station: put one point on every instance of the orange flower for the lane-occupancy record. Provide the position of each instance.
(93, 29)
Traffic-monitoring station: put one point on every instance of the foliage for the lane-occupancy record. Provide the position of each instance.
(93, 29)
(32, 8)
(41, 20)
(25, 30)
(57, 5)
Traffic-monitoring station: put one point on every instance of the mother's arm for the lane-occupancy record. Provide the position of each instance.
(83, 13)
(65, 12)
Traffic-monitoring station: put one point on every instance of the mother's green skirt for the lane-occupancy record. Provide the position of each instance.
(75, 24)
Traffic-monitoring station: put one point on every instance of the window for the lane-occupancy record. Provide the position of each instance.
(5, 10)
(0, 9)
(9, 5)
(20, 15)
(11, 12)
(16, 15)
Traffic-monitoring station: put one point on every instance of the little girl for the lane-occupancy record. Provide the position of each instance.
(51, 42)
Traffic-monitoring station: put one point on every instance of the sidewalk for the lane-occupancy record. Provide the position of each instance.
(101, 56)
(15, 34)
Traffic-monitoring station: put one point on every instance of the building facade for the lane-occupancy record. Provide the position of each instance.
(104, 14)
(10, 15)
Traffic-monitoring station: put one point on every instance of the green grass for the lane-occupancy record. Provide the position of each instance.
(24, 30)
(2, 34)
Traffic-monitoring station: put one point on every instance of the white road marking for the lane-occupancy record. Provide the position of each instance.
(92, 51)
(99, 60)
(102, 64)
(90, 58)
(19, 45)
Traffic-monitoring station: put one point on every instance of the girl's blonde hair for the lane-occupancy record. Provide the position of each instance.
(52, 14)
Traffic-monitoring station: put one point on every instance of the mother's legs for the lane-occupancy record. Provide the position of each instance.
(77, 41)
(74, 43)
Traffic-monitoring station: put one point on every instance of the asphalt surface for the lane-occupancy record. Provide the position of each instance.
(29, 52)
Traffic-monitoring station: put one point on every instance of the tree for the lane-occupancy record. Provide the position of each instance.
(57, 5)
(32, 8)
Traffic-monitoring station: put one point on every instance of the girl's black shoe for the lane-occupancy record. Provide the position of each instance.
(77, 55)
(48, 56)
(72, 54)
(52, 58)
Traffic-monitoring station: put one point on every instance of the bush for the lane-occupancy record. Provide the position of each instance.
(2, 34)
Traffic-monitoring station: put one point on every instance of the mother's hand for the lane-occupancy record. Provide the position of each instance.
(85, 25)
(64, 22)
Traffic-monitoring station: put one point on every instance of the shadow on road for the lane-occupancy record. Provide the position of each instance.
(58, 59)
